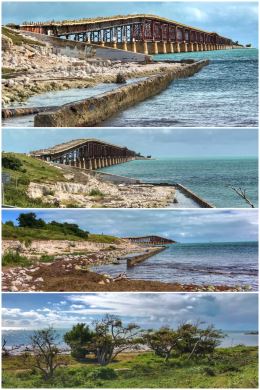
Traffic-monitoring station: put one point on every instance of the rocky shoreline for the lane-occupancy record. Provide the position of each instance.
(72, 271)
(34, 68)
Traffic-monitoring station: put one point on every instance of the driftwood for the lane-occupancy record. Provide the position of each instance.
(242, 193)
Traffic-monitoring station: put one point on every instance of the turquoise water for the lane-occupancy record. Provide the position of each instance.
(209, 178)
(22, 336)
(222, 94)
(215, 264)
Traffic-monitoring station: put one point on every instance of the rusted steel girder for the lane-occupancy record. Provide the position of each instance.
(134, 28)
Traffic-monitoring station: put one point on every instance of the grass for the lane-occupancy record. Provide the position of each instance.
(32, 170)
(28, 234)
(229, 368)
(18, 39)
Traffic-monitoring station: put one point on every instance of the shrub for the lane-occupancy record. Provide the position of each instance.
(95, 192)
(14, 258)
(11, 162)
(103, 373)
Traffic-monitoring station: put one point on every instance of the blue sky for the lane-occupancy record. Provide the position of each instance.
(180, 225)
(237, 20)
(226, 311)
(159, 143)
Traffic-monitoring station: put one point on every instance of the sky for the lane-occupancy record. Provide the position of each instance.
(180, 225)
(235, 20)
(150, 310)
(163, 142)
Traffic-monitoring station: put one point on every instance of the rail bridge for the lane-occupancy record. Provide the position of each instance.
(142, 33)
(151, 240)
(86, 154)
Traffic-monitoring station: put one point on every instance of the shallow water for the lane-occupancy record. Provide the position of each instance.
(22, 336)
(222, 94)
(216, 264)
(58, 98)
(210, 178)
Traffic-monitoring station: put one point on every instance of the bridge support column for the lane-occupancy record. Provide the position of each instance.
(125, 46)
(114, 45)
(196, 47)
(94, 163)
(77, 163)
(190, 47)
(177, 48)
(184, 47)
(89, 164)
(102, 43)
(145, 47)
(82, 164)
(154, 48)
(170, 47)
(201, 47)
(162, 48)
(133, 46)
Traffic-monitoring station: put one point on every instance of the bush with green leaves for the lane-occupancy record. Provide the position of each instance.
(78, 338)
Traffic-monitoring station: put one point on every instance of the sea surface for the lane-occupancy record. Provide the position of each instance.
(22, 337)
(230, 264)
(58, 98)
(210, 178)
(222, 94)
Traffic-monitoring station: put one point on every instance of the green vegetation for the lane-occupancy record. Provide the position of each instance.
(23, 170)
(96, 192)
(207, 367)
(18, 39)
(32, 228)
(14, 259)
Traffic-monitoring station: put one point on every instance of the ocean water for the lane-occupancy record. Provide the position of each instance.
(222, 94)
(22, 337)
(209, 178)
(58, 98)
(215, 264)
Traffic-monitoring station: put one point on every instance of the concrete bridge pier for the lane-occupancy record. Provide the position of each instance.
(190, 47)
(170, 47)
(195, 46)
(162, 48)
(133, 46)
(153, 49)
(177, 48)
(183, 47)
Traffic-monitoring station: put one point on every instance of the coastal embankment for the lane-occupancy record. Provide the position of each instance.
(139, 258)
(92, 111)
(63, 265)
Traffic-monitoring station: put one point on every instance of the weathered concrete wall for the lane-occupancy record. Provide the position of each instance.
(91, 111)
(132, 261)
(186, 191)
(85, 50)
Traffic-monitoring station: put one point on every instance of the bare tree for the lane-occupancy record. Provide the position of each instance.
(45, 352)
(242, 193)
(8, 351)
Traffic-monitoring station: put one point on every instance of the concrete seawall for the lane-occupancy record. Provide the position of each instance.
(132, 261)
(193, 196)
(92, 111)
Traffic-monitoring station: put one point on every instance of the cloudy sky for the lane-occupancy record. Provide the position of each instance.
(237, 20)
(157, 142)
(226, 311)
(180, 225)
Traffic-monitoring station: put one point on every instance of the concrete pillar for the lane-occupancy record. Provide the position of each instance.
(94, 163)
(102, 43)
(177, 48)
(183, 47)
(200, 46)
(124, 46)
(190, 47)
(77, 163)
(205, 47)
(170, 47)
(145, 47)
(162, 48)
(82, 164)
(154, 48)
(133, 46)
(195, 46)
(114, 45)
(89, 164)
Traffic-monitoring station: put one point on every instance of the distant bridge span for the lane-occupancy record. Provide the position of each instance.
(151, 240)
(148, 34)
(86, 154)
